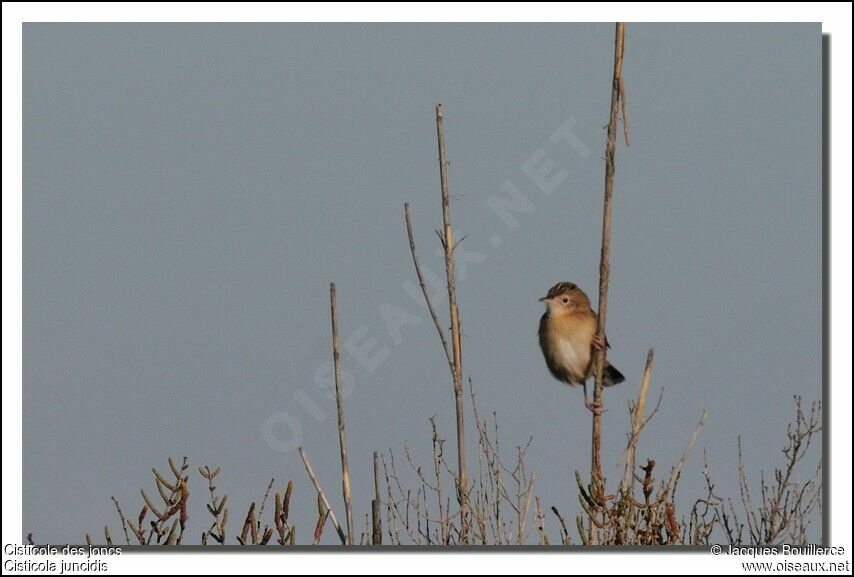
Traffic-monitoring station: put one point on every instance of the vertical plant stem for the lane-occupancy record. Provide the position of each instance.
(376, 515)
(456, 344)
(605, 264)
(597, 481)
(342, 438)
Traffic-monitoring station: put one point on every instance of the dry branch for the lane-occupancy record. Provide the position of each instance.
(674, 474)
(376, 516)
(339, 401)
(321, 495)
(637, 414)
(426, 294)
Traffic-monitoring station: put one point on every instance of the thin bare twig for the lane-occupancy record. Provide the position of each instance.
(678, 468)
(626, 132)
(313, 477)
(122, 517)
(445, 348)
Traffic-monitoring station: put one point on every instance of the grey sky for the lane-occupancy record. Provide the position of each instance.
(191, 190)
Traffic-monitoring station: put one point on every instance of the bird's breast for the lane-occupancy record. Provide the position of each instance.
(574, 356)
(569, 341)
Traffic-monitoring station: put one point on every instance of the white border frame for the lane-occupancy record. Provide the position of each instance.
(836, 19)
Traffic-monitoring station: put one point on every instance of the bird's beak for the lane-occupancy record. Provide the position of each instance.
(544, 299)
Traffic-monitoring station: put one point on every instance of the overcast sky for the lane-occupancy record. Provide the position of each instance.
(191, 190)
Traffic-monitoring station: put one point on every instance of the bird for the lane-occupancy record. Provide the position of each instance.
(568, 337)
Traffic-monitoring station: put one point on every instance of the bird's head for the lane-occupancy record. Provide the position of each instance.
(565, 297)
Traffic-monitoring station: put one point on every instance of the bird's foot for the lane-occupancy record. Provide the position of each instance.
(599, 342)
(594, 407)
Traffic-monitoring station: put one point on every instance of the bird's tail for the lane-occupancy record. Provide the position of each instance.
(612, 376)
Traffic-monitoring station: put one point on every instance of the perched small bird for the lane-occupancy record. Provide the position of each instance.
(568, 337)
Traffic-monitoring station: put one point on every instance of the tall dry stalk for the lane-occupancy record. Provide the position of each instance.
(456, 343)
(342, 438)
(453, 351)
(605, 259)
(376, 516)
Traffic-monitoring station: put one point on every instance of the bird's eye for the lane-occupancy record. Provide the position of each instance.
(565, 300)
